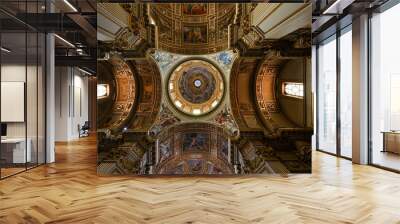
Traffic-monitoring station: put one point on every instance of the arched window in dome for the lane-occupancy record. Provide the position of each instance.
(102, 91)
(293, 89)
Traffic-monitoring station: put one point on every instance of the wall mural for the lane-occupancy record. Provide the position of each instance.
(125, 96)
(196, 149)
(196, 87)
(165, 150)
(195, 142)
(193, 28)
(218, 144)
(195, 34)
(199, 96)
(165, 59)
(197, 84)
(194, 8)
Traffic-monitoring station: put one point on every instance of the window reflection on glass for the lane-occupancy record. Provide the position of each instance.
(385, 86)
(327, 95)
(394, 102)
(16, 73)
(102, 91)
(293, 89)
(22, 61)
(346, 94)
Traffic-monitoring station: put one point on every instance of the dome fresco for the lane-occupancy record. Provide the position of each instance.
(196, 87)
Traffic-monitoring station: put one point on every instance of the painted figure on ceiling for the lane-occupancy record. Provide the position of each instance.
(195, 34)
(194, 8)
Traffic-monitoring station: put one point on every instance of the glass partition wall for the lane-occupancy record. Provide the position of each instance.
(385, 89)
(326, 90)
(334, 93)
(22, 77)
(334, 99)
(345, 90)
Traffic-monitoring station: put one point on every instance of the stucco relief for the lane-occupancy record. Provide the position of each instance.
(125, 93)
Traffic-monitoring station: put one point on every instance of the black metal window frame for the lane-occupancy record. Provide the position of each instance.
(44, 80)
(337, 34)
(381, 9)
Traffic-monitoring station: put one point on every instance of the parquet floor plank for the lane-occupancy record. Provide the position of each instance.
(70, 191)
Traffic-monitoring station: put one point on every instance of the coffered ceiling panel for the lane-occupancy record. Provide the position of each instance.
(192, 28)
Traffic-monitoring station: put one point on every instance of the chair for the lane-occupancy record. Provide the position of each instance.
(84, 130)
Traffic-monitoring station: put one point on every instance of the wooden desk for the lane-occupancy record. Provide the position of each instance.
(391, 142)
(13, 150)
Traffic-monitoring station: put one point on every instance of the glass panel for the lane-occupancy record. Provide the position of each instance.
(327, 96)
(31, 98)
(385, 84)
(23, 82)
(32, 86)
(41, 98)
(13, 87)
(346, 93)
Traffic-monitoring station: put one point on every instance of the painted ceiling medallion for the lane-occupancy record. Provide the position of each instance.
(196, 87)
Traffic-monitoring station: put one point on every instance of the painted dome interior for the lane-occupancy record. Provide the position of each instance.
(196, 87)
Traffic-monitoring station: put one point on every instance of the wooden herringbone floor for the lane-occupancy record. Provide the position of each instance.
(71, 192)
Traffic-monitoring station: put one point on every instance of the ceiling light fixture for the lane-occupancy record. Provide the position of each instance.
(64, 40)
(5, 50)
(70, 5)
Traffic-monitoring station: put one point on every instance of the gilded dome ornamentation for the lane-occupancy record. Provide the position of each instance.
(196, 87)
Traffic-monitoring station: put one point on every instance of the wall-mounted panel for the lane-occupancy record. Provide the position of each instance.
(12, 100)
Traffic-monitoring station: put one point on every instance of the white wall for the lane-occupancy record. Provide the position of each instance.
(16, 73)
(33, 127)
(13, 73)
(71, 102)
(80, 104)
